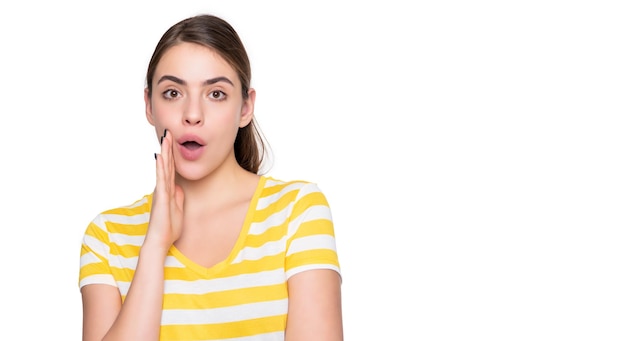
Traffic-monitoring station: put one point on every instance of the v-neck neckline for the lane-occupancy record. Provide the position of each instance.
(219, 266)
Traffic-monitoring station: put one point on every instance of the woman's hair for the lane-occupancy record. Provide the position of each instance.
(218, 35)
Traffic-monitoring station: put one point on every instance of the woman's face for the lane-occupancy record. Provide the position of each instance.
(196, 96)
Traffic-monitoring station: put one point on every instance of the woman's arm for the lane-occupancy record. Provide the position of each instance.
(101, 305)
(314, 306)
(139, 318)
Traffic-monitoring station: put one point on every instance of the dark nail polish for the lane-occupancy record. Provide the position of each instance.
(164, 132)
(161, 142)
(155, 156)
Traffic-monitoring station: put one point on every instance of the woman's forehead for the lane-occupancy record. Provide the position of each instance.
(194, 62)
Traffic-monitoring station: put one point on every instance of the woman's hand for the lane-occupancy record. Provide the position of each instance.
(166, 217)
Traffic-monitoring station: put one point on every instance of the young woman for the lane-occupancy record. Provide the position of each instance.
(217, 251)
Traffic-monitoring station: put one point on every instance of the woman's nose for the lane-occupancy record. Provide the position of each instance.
(193, 114)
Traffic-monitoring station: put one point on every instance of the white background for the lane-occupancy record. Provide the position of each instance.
(473, 153)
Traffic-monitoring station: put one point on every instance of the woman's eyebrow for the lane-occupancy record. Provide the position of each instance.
(173, 79)
(218, 79)
(206, 82)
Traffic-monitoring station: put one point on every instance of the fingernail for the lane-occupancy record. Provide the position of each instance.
(164, 134)
(155, 156)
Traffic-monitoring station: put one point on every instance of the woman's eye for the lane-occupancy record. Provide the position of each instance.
(217, 95)
(171, 94)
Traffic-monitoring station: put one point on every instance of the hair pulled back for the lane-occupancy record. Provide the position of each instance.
(217, 34)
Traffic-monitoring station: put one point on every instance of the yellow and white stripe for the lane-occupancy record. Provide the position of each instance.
(288, 230)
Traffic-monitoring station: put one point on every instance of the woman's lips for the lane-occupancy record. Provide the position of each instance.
(190, 153)
(190, 147)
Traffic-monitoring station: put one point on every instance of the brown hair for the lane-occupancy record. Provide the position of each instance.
(218, 35)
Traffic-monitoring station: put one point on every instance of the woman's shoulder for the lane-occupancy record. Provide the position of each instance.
(276, 184)
(136, 212)
(275, 189)
(136, 206)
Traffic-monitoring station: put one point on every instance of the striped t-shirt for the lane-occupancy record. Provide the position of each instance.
(288, 229)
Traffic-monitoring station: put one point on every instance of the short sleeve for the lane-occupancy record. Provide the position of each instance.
(311, 236)
(94, 255)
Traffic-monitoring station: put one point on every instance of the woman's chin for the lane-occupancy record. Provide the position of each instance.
(192, 172)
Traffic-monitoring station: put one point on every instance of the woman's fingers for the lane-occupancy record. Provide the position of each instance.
(166, 153)
(163, 166)
(165, 222)
(171, 164)
(175, 195)
(166, 167)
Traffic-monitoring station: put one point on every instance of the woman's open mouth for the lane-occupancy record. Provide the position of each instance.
(190, 147)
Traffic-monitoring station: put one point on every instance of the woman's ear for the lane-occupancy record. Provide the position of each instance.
(146, 98)
(247, 109)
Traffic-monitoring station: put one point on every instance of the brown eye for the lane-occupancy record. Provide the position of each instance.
(217, 95)
(171, 94)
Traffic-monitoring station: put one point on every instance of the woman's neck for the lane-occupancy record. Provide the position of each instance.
(222, 187)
